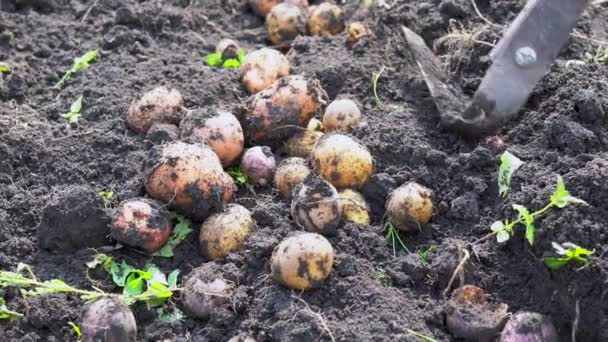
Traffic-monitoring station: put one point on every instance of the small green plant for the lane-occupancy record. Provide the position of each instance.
(182, 229)
(76, 329)
(600, 56)
(561, 198)
(424, 255)
(375, 79)
(568, 252)
(107, 197)
(4, 68)
(7, 314)
(382, 277)
(392, 234)
(80, 63)
(240, 178)
(421, 336)
(508, 165)
(74, 114)
(215, 60)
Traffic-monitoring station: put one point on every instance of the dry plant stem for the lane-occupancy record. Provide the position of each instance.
(577, 314)
(84, 17)
(458, 269)
(481, 15)
(318, 316)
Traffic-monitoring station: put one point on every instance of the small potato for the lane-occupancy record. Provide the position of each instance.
(284, 23)
(325, 19)
(188, 177)
(356, 31)
(225, 232)
(206, 292)
(302, 143)
(316, 206)
(315, 125)
(341, 115)
(261, 68)
(302, 261)
(341, 160)
(354, 207)
(409, 207)
(143, 223)
(529, 327)
(262, 7)
(108, 320)
(160, 104)
(273, 112)
(228, 48)
(290, 173)
(258, 163)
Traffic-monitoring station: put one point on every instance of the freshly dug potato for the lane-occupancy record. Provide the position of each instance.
(284, 23)
(529, 327)
(225, 232)
(223, 133)
(316, 206)
(302, 143)
(108, 320)
(409, 207)
(263, 67)
(341, 160)
(263, 7)
(290, 173)
(160, 104)
(356, 31)
(143, 223)
(206, 292)
(189, 178)
(259, 164)
(228, 48)
(354, 207)
(325, 19)
(341, 115)
(302, 261)
(242, 338)
(273, 112)
(315, 125)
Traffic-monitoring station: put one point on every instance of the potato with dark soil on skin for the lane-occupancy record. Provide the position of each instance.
(222, 132)
(290, 173)
(529, 327)
(206, 292)
(354, 207)
(228, 48)
(284, 23)
(302, 143)
(225, 232)
(261, 68)
(356, 31)
(409, 207)
(189, 178)
(342, 161)
(325, 19)
(272, 113)
(302, 261)
(142, 223)
(159, 105)
(316, 206)
(258, 164)
(108, 320)
(341, 115)
(263, 7)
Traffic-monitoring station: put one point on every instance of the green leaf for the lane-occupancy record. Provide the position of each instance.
(159, 293)
(180, 232)
(156, 274)
(4, 68)
(76, 329)
(502, 236)
(509, 163)
(120, 272)
(241, 55)
(231, 63)
(497, 227)
(170, 317)
(524, 214)
(82, 62)
(556, 263)
(6, 313)
(561, 197)
(103, 260)
(134, 285)
(76, 105)
(172, 278)
(214, 59)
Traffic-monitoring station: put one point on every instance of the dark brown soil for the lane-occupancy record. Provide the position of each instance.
(46, 167)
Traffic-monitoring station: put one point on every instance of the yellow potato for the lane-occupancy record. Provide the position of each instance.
(302, 261)
(356, 31)
(316, 206)
(354, 207)
(409, 207)
(342, 161)
(325, 19)
(262, 7)
(159, 105)
(225, 232)
(315, 125)
(302, 143)
(284, 23)
(290, 173)
(261, 68)
(341, 115)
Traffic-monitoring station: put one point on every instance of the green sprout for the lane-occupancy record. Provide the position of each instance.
(392, 234)
(106, 196)
(4, 68)
(80, 63)
(508, 165)
(76, 329)
(375, 79)
(74, 114)
(182, 229)
(561, 198)
(569, 252)
(215, 59)
(600, 56)
(240, 178)
(421, 336)
(424, 255)
(7, 314)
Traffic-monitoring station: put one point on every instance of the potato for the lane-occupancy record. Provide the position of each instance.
(262, 7)
(354, 207)
(261, 68)
(143, 223)
(160, 104)
(325, 19)
(302, 261)
(222, 132)
(242, 338)
(273, 112)
(290, 173)
(284, 23)
(409, 207)
(341, 115)
(228, 48)
(189, 178)
(356, 31)
(302, 143)
(342, 161)
(529, 327)
(206, 292)
(316, 206)
(225, 232)
(108, 320)
(258, 163)
(315, 125)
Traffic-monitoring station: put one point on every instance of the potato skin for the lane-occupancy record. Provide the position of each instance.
(261, 68)
(284, 23)
(302, 261)
(161, 104)
(354, 207)
(108, 320)
(409, 207)
(529, 327)
(316, 206)
(325, 19)
(341, 115)
(342, 161)
(225, 232)
(259, 164)
(143, 223)
(356, 31)
(206, 292)
(188, 177)
(290, 173)
(262, 7)
(302, 143)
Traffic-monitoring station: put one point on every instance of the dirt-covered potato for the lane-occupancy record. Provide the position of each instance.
(409, 207)
(228, 48)
(302, 143)
(325, 19)
(222, 132)
(316, 206)
(342, 161)
(341, 115)
(263, 7)
(284, 23)
(108, 320)
(189, 178)
(290, 173)
(529, 327)
(143, 223)
(160, 104)
(272, 113)
(225, 232)
(356, 31)
(302, 261)
(261, 68)
(354, 207)
(206, 292)
(258, 163)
